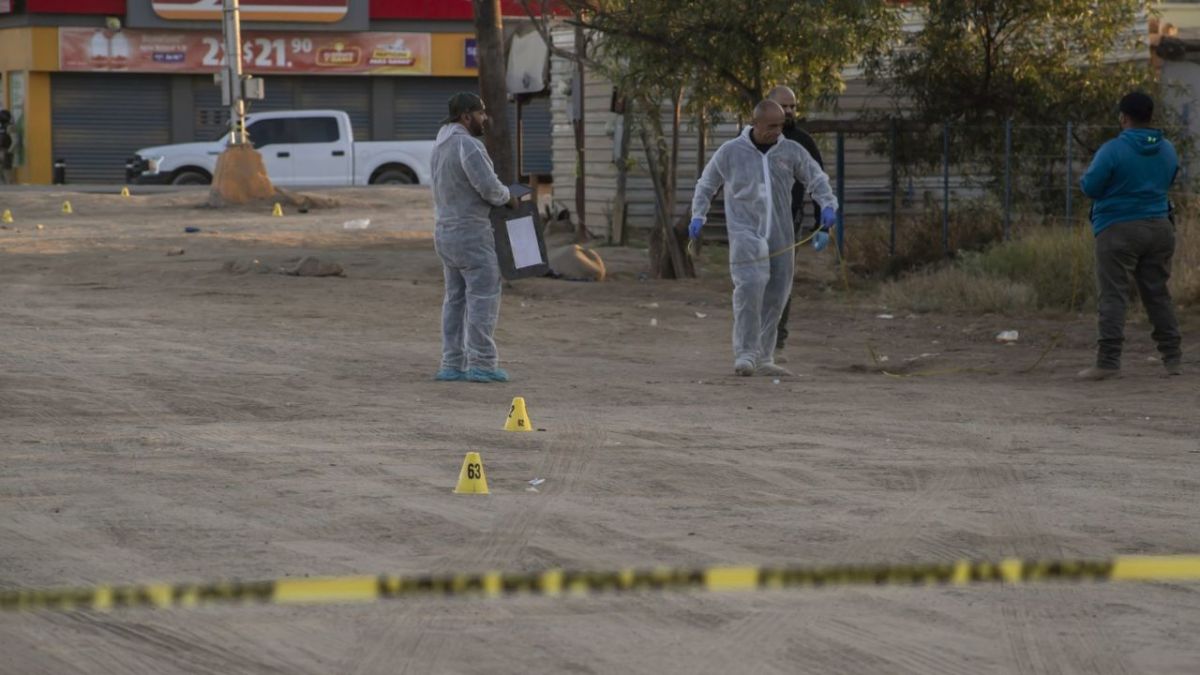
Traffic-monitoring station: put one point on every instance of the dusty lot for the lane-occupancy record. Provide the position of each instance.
(162, 419)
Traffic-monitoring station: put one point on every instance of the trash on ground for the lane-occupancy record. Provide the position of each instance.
(537, 481)
(191, 230)
(701, 315)
(1007, 336)
(885, 316)
(649, 305)
(653, 322)
(357, 224)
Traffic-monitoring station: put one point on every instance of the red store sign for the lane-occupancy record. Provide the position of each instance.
(147, 51)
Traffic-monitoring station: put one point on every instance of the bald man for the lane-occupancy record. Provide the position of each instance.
(757, 170)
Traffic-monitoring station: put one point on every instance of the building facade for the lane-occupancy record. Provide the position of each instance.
(91, 81)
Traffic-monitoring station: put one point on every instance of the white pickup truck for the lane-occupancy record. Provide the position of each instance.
(298, 147)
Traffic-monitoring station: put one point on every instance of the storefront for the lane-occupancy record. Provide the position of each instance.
(90, 82)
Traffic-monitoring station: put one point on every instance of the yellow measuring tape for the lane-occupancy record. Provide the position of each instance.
(692, 249)
(556, 583)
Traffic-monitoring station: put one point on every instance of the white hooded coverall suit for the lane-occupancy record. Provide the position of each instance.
(758, 215)
(465, 188)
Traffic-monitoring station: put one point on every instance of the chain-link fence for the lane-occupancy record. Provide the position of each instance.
(912, 195)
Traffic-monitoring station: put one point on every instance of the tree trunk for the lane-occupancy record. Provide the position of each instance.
(492, 88)
(668, 242)
(673, 166)
(620, 233)
(701, 161)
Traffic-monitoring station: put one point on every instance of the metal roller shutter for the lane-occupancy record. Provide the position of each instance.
(349, 94)
(421, 107)
(98, 121)
(421, 104)
(211, 119)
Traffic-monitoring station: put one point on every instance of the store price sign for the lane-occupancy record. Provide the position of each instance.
(149, 51)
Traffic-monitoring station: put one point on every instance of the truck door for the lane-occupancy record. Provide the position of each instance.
(270, 138)
(322, 153)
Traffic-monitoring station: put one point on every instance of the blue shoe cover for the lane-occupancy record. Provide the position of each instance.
(450, 375)
(484, 375)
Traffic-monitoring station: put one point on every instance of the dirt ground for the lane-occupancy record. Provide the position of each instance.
(163, 419)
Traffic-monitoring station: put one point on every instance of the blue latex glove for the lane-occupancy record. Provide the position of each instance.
(820, 240)
(828, 218)
(694, 228)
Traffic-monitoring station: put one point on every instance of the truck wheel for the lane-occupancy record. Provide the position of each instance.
(190, 178)
(399, 176)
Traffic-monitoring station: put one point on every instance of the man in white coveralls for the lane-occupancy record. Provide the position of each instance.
(758, 169)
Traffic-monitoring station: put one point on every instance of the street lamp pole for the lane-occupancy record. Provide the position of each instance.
(232, 27)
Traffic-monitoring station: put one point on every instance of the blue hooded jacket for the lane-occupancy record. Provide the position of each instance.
(1129, 178)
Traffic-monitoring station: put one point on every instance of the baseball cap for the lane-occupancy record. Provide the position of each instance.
(462, 103)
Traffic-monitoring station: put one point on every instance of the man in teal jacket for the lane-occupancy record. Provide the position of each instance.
(1128, 181)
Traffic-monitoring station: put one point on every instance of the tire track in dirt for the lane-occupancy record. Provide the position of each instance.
(902, 532)
(885, 647)
(1024, 611)
(899, 534)
(175, 648)
(565, 461)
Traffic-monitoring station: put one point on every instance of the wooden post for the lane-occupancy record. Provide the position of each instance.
(581, 233)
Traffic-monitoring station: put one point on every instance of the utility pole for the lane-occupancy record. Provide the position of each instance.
(232, 29)
(493, 88)
(240, 176)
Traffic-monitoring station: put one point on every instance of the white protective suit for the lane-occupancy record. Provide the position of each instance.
(465, 188)
(758, 215)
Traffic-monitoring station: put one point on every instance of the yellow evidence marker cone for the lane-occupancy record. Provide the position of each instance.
(278, 210)
(518, 419)
(7, 217)
(471, 478)
(67, 208)
(125, 191)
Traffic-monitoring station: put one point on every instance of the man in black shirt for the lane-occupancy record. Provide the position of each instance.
(786, 99)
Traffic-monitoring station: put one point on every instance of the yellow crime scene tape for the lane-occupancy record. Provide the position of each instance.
(556, 583)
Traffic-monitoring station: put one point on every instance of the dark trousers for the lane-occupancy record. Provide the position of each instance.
(1141, 249)
(782, 331)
